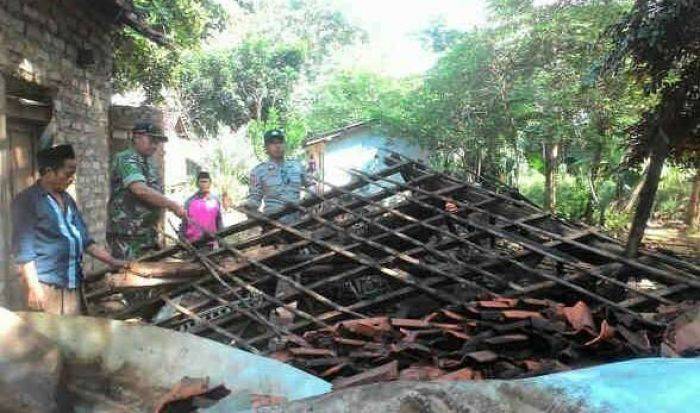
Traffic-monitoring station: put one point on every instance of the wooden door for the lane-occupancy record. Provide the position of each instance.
(23, 137)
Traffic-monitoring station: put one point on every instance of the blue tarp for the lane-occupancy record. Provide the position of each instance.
(653, 385)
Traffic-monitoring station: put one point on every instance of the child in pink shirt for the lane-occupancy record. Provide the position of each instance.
(203, 212)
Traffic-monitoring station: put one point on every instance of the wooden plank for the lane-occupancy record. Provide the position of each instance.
(6, 292)
(676, 275)
(35, 113)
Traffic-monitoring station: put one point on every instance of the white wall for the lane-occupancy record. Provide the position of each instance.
(364, 150)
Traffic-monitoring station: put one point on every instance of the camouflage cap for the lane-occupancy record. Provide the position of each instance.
(150, 129)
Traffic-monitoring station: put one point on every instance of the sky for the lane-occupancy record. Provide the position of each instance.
(393, 27)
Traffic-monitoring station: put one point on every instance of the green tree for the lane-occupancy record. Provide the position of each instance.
(659, 42)
(349, 97)
(234, 86)
(141, 63)
(524, 90)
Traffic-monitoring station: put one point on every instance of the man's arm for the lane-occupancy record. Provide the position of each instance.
(219, 221)
(35, 292)
(182, 230)
(154, 198)
(255, 192)
(23, 220)
(306, 176)
(89, 244)
(133, 178)
(101, 254)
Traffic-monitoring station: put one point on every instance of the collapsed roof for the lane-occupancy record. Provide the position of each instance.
(385, 273)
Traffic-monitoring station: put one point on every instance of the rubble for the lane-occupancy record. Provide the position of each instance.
(474, 342)
(190, 394)
(379, 281)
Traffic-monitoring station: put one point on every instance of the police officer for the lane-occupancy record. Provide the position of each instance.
(274, 184)
(137, 198)
(277, 181)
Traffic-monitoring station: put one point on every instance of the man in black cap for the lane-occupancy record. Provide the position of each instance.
(49, 236)
(137, 198)
(273, 184)
(276, 182)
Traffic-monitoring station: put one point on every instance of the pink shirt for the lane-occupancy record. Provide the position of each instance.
(205, 212)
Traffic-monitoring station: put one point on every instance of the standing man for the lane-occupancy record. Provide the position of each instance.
(137, 199)
(203, 212)
(49, 236)
(276, 182)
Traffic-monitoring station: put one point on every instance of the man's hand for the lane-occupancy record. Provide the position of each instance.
(451, 207)
(35, 291)
(156, 199)
(35, 296)
(179, 210)
(118, 264)
(101, 254)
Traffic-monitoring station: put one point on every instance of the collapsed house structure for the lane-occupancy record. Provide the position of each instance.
(382, 279)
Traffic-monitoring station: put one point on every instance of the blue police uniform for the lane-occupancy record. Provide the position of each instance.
(274, 184)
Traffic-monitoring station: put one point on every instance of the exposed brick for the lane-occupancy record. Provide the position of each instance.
(14, 6)
(47, 33)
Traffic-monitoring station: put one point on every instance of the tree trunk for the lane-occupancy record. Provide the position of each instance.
(478, 164)
(592, 178)
(637, 189)
(258, 107)
(648, 193)
(551, 154)
(693, 217)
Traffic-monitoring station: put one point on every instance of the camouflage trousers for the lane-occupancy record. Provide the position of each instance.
(131, 247)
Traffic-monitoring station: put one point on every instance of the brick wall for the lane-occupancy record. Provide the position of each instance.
(40, 41)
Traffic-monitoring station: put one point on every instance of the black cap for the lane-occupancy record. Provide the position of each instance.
(203, 175)
(151, 129)
(54, 157)
(273, 135)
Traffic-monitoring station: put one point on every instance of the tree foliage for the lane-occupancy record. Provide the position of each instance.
(258, 75)
(234, 86)
(354, 96)
(141, 63)
(662, 40)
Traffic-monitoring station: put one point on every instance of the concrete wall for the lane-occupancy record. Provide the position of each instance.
(40, 41)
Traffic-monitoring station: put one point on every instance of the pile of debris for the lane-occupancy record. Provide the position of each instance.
(502, 338)
(383, 279)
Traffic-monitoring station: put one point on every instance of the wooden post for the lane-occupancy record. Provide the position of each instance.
(660, 150)
(5, 200)
(693, 218)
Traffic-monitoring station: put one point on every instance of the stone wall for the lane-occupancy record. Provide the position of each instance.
(40, 43)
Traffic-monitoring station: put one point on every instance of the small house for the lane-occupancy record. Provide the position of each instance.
(363, 146)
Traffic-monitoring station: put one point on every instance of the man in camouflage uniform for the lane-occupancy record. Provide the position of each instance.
(137, 198)
(277, 181)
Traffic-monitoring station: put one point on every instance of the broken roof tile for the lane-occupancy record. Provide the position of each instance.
(386, 372)
(483, 356)
(520, 314)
